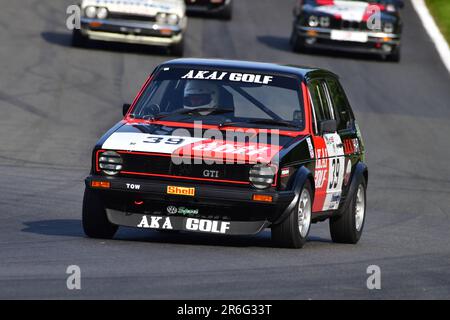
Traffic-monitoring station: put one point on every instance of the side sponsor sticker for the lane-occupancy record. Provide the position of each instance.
(329, 172)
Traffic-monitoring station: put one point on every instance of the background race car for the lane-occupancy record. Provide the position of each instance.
(218, 8)
(152, 22)
(367, 26)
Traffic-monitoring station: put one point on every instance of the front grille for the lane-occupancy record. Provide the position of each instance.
(352, 25)
(141, 164)
(133, 17)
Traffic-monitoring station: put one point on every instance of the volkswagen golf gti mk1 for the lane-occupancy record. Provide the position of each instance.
(231, 148)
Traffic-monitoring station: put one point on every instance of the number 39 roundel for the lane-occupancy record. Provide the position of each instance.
(329, 172)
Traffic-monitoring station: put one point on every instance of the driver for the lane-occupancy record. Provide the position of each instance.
(200, 94)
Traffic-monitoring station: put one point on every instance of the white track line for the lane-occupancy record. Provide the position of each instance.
(433, 31)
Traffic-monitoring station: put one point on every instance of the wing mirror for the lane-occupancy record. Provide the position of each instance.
(126, 107)
(328, 126)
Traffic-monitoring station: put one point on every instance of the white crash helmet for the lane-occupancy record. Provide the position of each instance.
(200, 94)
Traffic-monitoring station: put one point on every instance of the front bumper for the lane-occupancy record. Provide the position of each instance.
(137, 32)
(215, 204)
(377, 42)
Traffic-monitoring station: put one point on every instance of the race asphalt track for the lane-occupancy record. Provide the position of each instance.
(56, 101)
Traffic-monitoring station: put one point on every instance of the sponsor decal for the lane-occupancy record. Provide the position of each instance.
(351, 146)
(133, 186)
(182, 211)
(335, 199)
(230, 76)
(181, 191)
(231, 152)
(184, 147)
(321, 167)
(135, 6)
(190, 224)
(329, 172)
(142, 142)
(356, 145)
(285, 172)
(203, 225)
(347, 10)
(310, 147)
(153, 222)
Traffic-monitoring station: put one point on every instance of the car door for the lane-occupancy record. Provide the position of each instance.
(346, 128)
(329, 150)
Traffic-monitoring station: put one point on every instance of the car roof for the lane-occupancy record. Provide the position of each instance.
(300, 71)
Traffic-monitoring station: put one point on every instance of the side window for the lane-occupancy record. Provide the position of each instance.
(320, 101)
(340, 104)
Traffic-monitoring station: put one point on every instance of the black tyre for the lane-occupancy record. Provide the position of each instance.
(78, 40)
(227, 12)
(293, 231)
(348, 227)
(296, 42)
(395, 56)
(95, 221)
(177, 50)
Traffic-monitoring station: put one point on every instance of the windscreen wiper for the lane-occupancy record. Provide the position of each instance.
(282, 123)
(193, 111)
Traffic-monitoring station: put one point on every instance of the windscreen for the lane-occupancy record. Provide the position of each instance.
(222, 96)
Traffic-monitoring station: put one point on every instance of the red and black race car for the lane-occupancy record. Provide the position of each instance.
(219, 8)
(231, 147)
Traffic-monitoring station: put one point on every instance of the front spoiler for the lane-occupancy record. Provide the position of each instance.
(211, 202)
(189, 224)
(148, 33)
(324, 41)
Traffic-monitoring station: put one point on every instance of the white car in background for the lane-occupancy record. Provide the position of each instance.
(151, 22)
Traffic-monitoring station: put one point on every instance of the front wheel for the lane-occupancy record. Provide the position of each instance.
(78, 40)
(177, 49)
(95, 221)
(293, 231)
(394, 56)
(227, 12)
(296, 42)
(348, 227)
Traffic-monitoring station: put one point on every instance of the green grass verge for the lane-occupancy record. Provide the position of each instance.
(440, 9)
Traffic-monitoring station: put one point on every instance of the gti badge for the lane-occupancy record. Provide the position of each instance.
(210, 173)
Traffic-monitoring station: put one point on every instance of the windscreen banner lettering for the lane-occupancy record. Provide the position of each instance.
(233, 76)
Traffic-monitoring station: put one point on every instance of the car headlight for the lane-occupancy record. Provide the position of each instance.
(313, 21)
(324, 22)
(110, 162)
(262, 175)
(102, 13)
(161, 18)
(388, 27)
(90, 12)
(172, 19)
